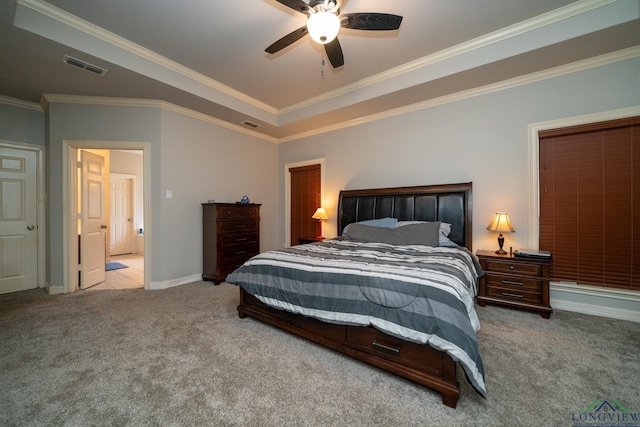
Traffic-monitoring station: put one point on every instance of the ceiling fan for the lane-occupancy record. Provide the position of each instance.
(325, 22)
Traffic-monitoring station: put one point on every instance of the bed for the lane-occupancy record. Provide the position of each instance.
(332, 292)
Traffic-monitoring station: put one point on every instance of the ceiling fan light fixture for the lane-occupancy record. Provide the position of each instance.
(323, 26)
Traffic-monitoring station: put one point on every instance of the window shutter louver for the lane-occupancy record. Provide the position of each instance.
(590, 202)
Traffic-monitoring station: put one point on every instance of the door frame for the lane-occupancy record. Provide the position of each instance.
(287, 194)
(40, 205)
(69, 193)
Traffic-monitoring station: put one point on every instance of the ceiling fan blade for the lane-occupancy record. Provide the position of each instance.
(371, 21)
(334, 53)
(285, 41)
(297, 5)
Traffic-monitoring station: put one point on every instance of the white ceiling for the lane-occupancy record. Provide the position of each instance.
(208, 55)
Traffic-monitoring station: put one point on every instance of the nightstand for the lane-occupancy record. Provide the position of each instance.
(305, 240)
(515, 282)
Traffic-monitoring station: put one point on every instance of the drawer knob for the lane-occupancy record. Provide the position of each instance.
(511, 267)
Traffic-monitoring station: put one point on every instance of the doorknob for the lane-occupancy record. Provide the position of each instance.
(30, 227)
(103, 226)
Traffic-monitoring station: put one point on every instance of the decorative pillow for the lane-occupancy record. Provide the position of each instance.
(381, 222)
(445, 229)
(414, 234)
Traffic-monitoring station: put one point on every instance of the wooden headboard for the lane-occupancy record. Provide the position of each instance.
(451, 203)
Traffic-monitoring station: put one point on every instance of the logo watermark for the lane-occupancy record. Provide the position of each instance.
(606, 414)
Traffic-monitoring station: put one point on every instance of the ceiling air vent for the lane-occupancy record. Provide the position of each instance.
(250, 124)
(75, 62)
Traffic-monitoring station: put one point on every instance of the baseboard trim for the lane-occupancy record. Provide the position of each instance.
(54, 290)
(597, 301)
(155, 286)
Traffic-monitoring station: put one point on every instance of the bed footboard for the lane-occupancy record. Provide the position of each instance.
(420, 363)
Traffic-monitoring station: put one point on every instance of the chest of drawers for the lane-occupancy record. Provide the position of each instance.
(515, 282)
(230, 236)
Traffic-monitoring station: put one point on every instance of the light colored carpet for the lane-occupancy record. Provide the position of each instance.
(182, 357)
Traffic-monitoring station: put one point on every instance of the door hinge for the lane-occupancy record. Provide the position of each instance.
(79, 165)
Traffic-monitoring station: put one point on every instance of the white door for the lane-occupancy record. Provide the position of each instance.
(120, 225)
(18, 227)
(92, 221)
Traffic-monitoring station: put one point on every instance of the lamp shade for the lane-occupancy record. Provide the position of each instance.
(320, 214)
(323, 27)
(501, 223)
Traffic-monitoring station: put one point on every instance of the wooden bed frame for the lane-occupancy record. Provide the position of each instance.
(421, 363)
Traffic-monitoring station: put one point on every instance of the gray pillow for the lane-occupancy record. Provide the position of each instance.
(414, 234)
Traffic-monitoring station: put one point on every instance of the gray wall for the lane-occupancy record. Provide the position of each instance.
(88, 123)
(20, 124)
(481, 139)
(195, 159)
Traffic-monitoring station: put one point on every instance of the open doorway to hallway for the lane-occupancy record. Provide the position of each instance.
(120, 208)
(126, 162)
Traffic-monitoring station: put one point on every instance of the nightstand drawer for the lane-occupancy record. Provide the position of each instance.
(514, 282)
(514, 295)
(507, 266)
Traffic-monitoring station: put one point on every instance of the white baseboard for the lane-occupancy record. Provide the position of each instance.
(597, 301)
(54, 290)
(154, 286)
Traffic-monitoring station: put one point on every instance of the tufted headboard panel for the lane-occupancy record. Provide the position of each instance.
(452, 203)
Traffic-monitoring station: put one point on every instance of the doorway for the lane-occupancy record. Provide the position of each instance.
(288, 190)
(137, 260)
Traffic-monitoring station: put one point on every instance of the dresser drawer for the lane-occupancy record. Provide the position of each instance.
(243, 250)
(507, 266)
(373, 341)
(514, 282)
(511, 294)
(237, 212)
(238, 226)
(231, 239)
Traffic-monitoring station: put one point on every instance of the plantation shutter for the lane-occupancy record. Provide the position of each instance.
(590, 203)
(305, 199)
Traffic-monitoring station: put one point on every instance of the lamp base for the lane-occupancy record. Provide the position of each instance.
(500, 243)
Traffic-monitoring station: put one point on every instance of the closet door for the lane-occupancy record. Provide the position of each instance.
(305, 199)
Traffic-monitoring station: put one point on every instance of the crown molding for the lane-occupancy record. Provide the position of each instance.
(49, 98)
(621, 55)
(20, 103)
(137, 58)
(598, 61)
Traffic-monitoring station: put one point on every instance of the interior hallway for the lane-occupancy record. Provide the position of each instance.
(124, 278)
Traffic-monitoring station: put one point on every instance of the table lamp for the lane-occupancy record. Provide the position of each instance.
(320, 215)
(501, 224)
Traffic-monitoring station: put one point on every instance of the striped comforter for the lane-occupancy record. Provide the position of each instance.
(418, 293)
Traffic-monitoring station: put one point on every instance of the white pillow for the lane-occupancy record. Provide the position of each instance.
(443, 237)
